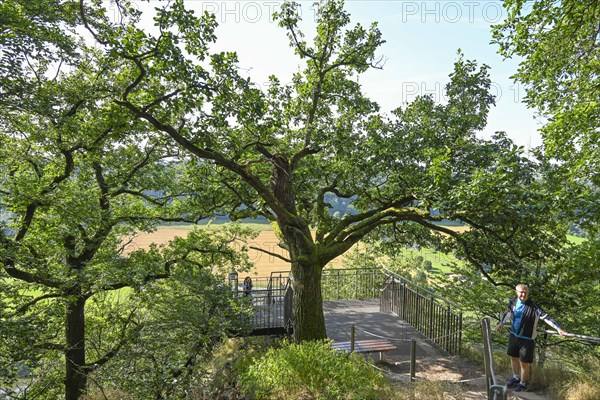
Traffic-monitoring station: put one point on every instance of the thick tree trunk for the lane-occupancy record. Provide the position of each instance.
(307, 307)
(76, 378)
(543, 347)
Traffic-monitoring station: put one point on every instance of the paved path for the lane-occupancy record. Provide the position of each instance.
(370, 323)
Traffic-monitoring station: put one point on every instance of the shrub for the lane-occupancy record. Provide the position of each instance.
(230, 360)
(312, 370)
(428, 265)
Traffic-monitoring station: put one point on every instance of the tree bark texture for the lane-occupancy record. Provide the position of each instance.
(307, 306)
(76, 378)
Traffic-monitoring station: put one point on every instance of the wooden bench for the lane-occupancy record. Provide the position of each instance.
(366, 346)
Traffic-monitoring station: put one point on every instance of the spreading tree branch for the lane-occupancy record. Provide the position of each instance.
(270, 253)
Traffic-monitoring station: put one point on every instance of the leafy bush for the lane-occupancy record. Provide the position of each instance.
(182, 320)
(232, 358)
(312, 370)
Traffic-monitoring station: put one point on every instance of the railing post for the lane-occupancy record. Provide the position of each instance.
(337, 286)
(404, 300)
(485, 324)
(374, 287)
(460, 328)
(395, 297)
(417, 311)
(494, 391)
(413, 359)
(352, 336)
(431, 317)
(233, 282)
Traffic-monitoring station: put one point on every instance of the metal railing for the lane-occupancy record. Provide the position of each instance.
(352, 283)
(495, 391)
(267, 298)
(592, 340)
(433, 316)
(288, 322)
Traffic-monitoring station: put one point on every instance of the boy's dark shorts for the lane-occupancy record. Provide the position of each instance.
(522, 348)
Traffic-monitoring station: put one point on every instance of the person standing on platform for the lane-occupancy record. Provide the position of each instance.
(524, 314)
(247, 286)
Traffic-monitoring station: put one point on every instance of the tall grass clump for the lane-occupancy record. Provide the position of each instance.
(581, 390)
(548, 378)
(312, 370)
(585, 385)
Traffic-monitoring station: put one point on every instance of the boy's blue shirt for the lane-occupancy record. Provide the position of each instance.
(518, 313)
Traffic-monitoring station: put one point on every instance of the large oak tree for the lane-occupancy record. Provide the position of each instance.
(280, 152)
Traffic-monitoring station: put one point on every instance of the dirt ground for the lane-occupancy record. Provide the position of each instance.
(459, 379)
(456, 378)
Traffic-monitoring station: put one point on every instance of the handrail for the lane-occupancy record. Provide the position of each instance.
(351, 283)
(288, 298)
(435, 317)
(432, 315)
(494, 390)
(583, 338)
(420, 289)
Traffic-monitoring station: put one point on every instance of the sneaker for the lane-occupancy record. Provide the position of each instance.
(512, 382)
(521, 388)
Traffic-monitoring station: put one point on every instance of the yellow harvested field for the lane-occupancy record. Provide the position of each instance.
(264, 263)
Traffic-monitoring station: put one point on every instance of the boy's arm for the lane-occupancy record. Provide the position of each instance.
(549, 321)
(503, 319)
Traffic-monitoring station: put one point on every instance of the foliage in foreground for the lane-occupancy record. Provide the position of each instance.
(184, 319)
(312, 370)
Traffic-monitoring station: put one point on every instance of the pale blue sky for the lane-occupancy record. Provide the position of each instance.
(422, 38)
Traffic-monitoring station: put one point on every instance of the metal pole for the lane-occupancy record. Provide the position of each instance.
(356, 285)
(460, 328)
(446, 340)
(404, 300)
(413, 359)
(352, 334)
(431, 335)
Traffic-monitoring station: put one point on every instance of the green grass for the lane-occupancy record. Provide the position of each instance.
(440, 262)
(576, 239)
